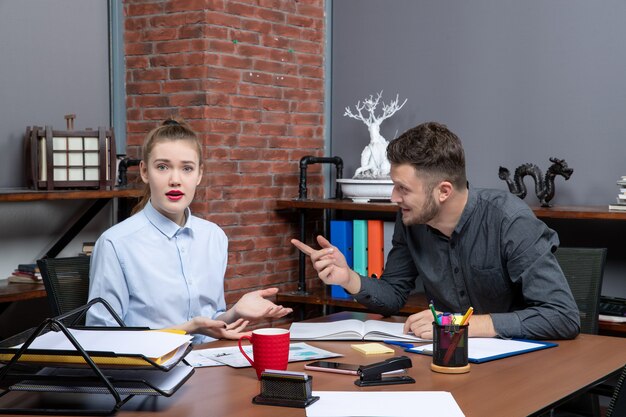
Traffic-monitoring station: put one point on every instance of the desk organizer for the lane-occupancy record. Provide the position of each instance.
(81, 372)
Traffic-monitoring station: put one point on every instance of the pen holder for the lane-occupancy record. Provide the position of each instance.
(450, 349)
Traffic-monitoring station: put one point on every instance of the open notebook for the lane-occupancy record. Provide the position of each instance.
(351, 330)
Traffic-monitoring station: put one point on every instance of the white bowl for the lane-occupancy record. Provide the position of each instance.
(364, 190)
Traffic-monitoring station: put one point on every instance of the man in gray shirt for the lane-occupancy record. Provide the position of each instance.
(471, 247)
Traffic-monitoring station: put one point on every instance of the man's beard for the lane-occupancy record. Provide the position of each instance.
(428, 212)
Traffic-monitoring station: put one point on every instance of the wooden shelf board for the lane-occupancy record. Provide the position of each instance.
(17, 195)
(337, 205)
(557, 212)
(11, 291)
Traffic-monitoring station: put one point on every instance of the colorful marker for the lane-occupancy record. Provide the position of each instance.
(432, 310)
(467, 315)
(446, 319)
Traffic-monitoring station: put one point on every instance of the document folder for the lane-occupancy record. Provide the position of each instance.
(485, 349)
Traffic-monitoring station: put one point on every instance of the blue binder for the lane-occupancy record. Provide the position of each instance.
(341, 237)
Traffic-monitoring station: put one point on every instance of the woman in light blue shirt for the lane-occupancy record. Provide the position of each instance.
(163, 267)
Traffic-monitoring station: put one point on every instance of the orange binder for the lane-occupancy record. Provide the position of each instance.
(375, 248)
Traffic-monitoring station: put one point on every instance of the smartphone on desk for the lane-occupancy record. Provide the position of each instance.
(336, 367)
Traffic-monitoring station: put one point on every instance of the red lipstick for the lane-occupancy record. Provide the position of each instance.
(174, 195)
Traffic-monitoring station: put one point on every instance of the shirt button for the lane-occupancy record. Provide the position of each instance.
(456, 269)
(462, 293)
(452, 245)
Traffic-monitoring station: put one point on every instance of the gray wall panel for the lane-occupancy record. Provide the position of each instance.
(517, 81)
(54, 61)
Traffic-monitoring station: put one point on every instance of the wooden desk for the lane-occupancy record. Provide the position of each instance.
(10, 292)
(517, 386)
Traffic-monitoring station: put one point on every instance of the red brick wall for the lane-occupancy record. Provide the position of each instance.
(248, 76)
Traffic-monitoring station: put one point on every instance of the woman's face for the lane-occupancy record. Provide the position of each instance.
(173, 172)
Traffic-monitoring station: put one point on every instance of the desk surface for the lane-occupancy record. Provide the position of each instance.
(11, 291)
(516, 386)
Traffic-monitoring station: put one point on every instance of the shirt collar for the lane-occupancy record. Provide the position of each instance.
(165, 225)
(468, 210)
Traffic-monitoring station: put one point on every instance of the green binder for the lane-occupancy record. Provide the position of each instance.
(359, 229)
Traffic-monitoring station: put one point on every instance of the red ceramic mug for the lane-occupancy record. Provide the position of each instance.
(270, 349)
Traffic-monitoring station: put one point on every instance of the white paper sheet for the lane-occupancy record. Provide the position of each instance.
(231, 355)
(384, 403)
(151, 344)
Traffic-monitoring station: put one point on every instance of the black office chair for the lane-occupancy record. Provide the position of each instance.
(67, 284)
(584, 269)
(617, 406)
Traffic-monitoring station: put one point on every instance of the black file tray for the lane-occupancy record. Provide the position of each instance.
(121, 381)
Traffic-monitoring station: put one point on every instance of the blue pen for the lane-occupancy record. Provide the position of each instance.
(401, 344)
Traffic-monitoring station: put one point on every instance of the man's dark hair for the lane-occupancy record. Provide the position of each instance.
(433, 150)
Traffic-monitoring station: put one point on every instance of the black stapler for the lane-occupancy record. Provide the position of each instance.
(370, 375)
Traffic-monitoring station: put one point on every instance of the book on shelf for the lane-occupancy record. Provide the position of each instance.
(24, 280)
(351, 330)
(611, 319)
(617, 207)
(32, 268)
(88, 248)
(26, 273)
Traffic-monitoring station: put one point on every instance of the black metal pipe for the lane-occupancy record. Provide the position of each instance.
(125, 163)
(307, 160)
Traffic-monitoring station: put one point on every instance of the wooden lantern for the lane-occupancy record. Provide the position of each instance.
(70, 159)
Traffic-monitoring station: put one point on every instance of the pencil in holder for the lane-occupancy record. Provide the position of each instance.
(450, 344)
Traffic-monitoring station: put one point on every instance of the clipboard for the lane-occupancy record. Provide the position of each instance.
(486, 349)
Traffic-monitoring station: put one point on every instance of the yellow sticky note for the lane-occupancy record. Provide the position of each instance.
(372, 348)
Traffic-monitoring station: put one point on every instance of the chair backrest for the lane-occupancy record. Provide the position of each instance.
(584, 269)
(66, 281)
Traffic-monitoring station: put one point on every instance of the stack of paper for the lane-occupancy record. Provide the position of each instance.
(123, 347)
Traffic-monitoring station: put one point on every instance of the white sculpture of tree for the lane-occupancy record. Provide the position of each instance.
(374, 163)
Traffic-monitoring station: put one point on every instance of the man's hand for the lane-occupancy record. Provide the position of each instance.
(421, 324)
(254, 306)
(331, 265)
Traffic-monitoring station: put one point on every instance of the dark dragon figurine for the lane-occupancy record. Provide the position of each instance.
(544, 186)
